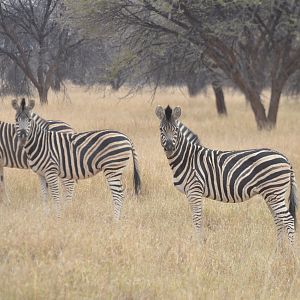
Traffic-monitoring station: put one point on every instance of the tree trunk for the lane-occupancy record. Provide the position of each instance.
(276, 90)
(43, 91)
(253, 96)
(43, 95)
(258, 110)
(220, 101)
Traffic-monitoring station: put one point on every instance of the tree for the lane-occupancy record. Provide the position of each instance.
(255, 44)
(12, 79)
(34, 38)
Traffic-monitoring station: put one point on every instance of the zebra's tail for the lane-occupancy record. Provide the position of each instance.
(293, 198)
(136, 173)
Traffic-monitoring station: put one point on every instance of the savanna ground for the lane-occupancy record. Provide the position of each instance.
(152, 253)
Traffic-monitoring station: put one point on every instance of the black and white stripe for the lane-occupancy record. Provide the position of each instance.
(188, 134)
(13, 156)
(76, 156)
(228, 176)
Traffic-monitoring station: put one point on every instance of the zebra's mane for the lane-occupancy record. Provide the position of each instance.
(168, 113)
(42, 123)
(52, 125)
(189, 134)
(23, 103)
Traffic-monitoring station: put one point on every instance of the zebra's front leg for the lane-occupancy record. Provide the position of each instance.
(116, 188)
(54, 190)
(3, 194)
(44, 192)
(68, 186)
(194, 195)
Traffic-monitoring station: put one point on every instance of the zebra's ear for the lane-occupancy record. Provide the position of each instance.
(31, 104)
(14, 104)
(176, 112)
(160, 112)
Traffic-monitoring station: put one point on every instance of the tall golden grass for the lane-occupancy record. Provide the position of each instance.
(152, 252)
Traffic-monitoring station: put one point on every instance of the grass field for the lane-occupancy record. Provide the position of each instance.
(152, 252)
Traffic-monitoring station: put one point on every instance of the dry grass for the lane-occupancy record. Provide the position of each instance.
(152, 253)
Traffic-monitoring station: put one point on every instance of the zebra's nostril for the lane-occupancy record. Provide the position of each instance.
(23, 134)
(169, 146)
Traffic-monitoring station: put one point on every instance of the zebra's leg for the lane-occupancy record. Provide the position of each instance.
(284, 221)
(44, 191)
(54, 190)
(194, 195)
(68, 186)
(44, 188)
(3, 194)
(116, 187)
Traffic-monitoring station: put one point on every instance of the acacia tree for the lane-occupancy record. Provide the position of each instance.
(179, 63)
(255, 44)
(35, 39)
(153, 60)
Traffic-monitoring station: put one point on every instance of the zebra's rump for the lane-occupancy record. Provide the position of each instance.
(11, 155)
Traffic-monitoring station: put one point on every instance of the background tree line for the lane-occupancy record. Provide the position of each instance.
(247, 45)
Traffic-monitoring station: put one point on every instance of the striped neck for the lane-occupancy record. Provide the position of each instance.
(42, 123)
(188, 133)
(183, 144)
(38, 127)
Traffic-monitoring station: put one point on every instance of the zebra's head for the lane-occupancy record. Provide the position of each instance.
(23, 119)
(168, 127)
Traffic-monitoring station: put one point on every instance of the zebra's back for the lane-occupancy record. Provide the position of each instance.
(83, 155)
(235, 176)
(59, 126)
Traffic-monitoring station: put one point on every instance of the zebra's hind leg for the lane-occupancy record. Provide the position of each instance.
(68, 186)
(116, 187)
(54, 190)
(284, 221)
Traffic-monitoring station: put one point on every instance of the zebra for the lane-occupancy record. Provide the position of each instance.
(188, 134)
(228, 176)
(13, 156)
(76, 155)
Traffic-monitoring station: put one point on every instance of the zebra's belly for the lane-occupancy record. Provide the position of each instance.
(78, 175)
(15, 166)
(228, 199)
(14, 161)
(38, 171)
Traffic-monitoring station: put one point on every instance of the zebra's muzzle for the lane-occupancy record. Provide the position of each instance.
(22, 138)
(169, 146)
(22, 142)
